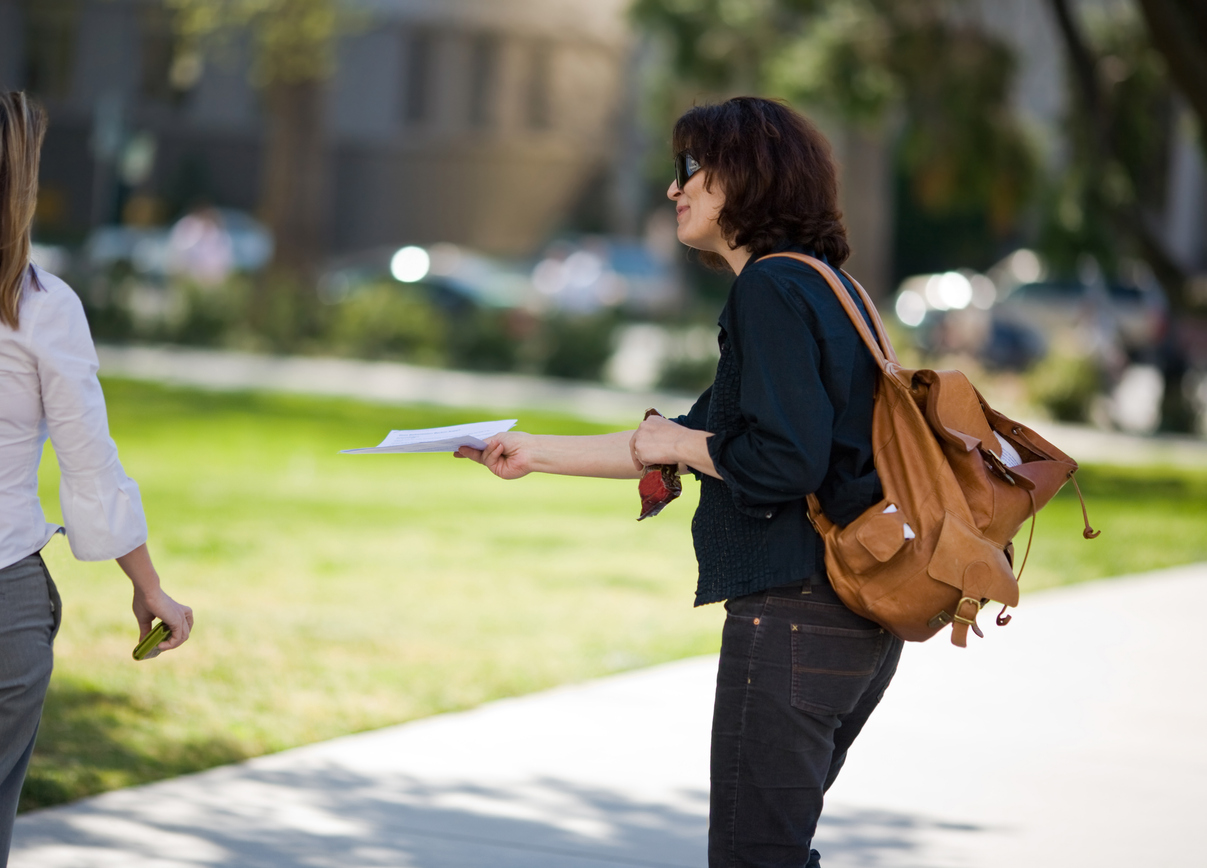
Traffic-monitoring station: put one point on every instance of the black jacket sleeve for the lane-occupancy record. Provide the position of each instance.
(697, 416)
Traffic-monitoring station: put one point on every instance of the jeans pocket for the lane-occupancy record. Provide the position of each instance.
(833, 666)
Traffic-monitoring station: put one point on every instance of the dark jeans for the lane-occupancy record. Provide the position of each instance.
(799, 675)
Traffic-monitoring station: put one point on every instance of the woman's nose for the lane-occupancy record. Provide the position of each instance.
(673, 192)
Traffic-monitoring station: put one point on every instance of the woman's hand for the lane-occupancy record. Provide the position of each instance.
(656, 441)
(156, 604)
(150, 602)
(660, 441)
(507, 455)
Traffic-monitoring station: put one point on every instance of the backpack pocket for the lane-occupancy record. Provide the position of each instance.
(874, 538)
(972, 564)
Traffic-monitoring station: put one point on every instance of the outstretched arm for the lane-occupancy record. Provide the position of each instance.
(514, 454)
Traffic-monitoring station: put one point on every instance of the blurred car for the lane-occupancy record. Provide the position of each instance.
(1132, 315)
(573, 276)
(455, 279)
(1015, 313)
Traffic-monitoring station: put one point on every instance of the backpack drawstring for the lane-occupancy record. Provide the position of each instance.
(1002, 618)
(1089, 532)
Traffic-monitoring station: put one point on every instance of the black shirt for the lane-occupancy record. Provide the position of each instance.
(790, 412)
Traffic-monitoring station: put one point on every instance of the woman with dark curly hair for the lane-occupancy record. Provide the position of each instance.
(789, 414)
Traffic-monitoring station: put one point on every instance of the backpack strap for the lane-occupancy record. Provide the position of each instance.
(878, 345)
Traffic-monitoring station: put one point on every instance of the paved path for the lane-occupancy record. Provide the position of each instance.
(1073, 737)
(382, 382)
(394, 383)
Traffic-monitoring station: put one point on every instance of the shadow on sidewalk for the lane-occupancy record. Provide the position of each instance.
(331, 817)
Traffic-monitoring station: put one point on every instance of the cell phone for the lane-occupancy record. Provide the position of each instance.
(148, 647)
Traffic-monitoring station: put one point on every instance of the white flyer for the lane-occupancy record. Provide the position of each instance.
(447, 439)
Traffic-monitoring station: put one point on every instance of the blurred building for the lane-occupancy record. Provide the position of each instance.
(472, 121)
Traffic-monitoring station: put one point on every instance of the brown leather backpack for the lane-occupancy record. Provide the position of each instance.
(959, 480)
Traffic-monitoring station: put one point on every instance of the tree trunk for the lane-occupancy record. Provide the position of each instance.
(293, 197)
(1179, 31)
(1176, 414)
(1128, 218)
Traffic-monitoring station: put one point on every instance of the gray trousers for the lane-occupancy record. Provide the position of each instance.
(30, 611)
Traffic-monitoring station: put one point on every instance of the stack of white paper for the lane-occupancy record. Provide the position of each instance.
(447, 439)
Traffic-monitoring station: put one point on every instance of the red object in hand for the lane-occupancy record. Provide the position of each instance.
(659, 485)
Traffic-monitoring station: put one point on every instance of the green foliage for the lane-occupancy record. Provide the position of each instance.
(389, 320)
(293, 40)
(575, 347)
(1066, 385)
(1081, 207)
(688, 375)
(859, 59)
(212, 313)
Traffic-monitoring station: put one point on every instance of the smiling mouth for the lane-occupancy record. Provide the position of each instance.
(680, 210)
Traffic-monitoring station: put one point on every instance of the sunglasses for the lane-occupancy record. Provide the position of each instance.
(685, 166)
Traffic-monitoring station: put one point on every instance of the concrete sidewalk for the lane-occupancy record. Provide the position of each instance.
(1073, 737)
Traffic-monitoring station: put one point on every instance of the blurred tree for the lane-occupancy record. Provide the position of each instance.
(1124, 77)
(1125, 70)
(1179, 32)
(293, 54)
(924, 62)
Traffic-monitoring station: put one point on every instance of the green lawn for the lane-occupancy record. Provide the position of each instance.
(339, 593)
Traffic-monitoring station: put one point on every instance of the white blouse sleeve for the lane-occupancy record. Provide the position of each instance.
(101, 506)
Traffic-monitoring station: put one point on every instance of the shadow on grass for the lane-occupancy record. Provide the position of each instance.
(90, 741)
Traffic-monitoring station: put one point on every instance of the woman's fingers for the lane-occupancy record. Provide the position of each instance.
(177, 617)
(181, 624)
(494, 453)
(654, 442)
(502, 456)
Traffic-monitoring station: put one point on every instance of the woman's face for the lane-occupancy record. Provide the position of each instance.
(696, 210)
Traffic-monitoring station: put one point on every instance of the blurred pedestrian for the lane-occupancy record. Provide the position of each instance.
(48, 387)
(789, 414)
(200, 247)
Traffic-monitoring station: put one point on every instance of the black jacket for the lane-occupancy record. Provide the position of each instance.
(790, 412)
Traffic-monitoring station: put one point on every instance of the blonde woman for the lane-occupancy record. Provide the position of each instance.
(48, 387)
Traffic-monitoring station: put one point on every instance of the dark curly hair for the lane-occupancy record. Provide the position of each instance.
(776, 171)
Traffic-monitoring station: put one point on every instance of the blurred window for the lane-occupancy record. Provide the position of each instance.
(417, 84)
(484, 62)
(537, 97)
(50, 34)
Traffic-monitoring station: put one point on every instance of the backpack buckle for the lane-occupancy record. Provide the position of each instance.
(971, 622)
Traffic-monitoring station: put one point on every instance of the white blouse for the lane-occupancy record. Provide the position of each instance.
(48, 386)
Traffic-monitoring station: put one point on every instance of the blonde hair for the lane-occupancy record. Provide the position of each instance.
(22, 128)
